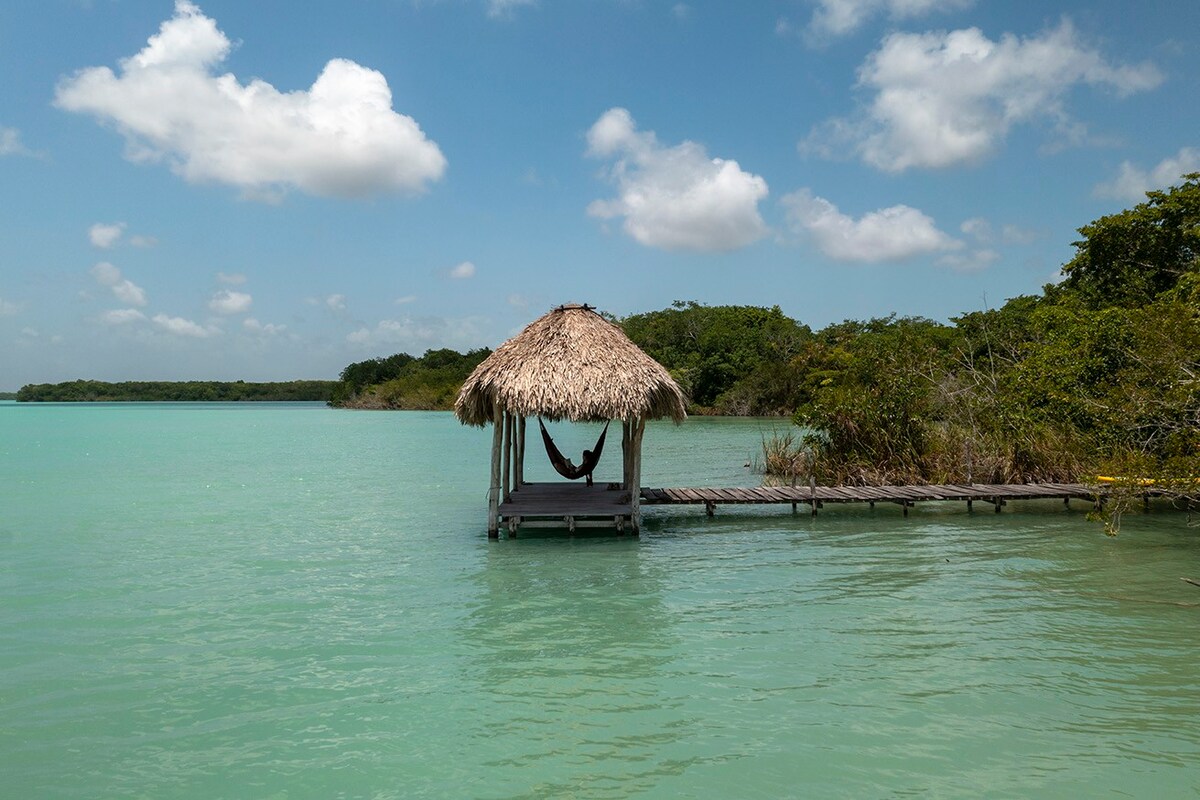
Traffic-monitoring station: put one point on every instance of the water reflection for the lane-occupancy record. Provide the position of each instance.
(570, 649)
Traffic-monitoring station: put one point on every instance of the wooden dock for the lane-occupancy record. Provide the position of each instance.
(574, 505)
(997, 495)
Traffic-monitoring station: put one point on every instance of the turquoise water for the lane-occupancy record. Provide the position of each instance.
(285, 601)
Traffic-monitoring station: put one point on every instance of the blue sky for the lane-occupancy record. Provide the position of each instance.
(271, 190)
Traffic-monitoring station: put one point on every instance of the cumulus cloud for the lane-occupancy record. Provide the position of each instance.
(674, 198)
(1131, 183)
(969, 260)
(418, 333)
(233, 279)
(230, 302)
(948, 98)
(406, 299)
(339, 138)
(121, 316)
(841, 17)
(124, 289)
(501, 8)
(140, 240)
(8, 308)
(10, 143)
(984, 233)
(890, 234)
(336, 302)
(463, 271)
(266, 329)
(104, 235)
(182, 327)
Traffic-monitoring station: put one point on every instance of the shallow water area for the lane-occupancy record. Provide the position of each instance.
(282, 600)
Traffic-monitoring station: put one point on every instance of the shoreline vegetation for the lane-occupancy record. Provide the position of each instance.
(84, 391)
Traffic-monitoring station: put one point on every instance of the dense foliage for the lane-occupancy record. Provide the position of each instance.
(725, 358)
(402, 381)
(130, 391)
(1098, 375)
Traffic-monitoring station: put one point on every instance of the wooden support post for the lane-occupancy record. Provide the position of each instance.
(969, 504)
(794, 508)
(635, 487)
(999, 503)
(709, 507)
(812, 491)
(519, 477)
(626, 453)
(904, 504)
(494, 488)
(508, 447)
(1067, 502)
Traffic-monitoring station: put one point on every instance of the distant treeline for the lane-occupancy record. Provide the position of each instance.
(1099, 374)
(186, 391)
(8, 395)
(406, 382)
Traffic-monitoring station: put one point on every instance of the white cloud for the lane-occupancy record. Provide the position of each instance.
(140, 240)
(336, 302)
(124, 289)
(675, 198)
(969, 260)
(501, 8)
(230, 302)
(943, 99)
(104, 236)
(890, 234)
(418, 333)
(121, 316)
(233, 279)
(9, 308)
(463, 271)
(10, 143)
(983, 232)
(406, 299)
(1131, 183)
(128, 292)
(681, 11)
(841, 17)
(182, 327)
(267, 329)
(339, 138)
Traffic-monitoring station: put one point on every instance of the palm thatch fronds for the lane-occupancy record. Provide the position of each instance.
(570, 364)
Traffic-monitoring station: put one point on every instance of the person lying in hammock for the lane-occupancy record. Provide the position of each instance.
(563, 465)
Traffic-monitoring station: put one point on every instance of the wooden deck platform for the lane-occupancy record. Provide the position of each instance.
(566, 505)
(575, 505)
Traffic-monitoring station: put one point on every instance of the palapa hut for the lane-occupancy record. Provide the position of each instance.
(571, 364)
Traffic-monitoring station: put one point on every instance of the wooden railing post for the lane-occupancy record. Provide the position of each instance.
(494, 488)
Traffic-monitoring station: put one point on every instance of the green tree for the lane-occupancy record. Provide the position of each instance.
(1132, 257)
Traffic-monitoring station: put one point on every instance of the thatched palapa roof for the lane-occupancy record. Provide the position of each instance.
(570, 364)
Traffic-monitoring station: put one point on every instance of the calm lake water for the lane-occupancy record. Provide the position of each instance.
(285, 601)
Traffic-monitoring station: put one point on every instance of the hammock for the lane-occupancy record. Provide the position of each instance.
(563, 465)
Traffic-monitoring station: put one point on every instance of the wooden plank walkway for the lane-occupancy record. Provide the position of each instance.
(575, 505)
(997, 495)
